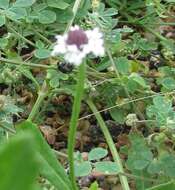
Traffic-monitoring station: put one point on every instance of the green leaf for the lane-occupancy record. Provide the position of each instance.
(169, 83)
(4, 4)
(107, 167)
(64, 16)
(97, 153)
(138, 79)
(146, 45)
(139, 155)
(110, 12)
(50, 166)
(122, 65)
(82, 168)
(168, 164)
(54, 82)
(2, 20)
(104, 64)
(46, 17)
(118, 115)
(57, 4)
(24, 3)
(160, 110)
(94, 186)
(154, 167)
(3, 43)
(16, 13)
(18, 168)
(39, 44)
(42, 53)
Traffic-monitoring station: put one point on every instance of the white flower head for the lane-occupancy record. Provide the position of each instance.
(77, 44)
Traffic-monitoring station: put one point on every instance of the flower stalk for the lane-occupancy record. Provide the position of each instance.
(74, 122)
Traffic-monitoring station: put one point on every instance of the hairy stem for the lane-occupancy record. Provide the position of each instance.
(74, 122)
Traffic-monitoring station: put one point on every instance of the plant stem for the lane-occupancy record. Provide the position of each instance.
(110, 143)
(21, 36)
(159, 36)
(15, 62)
(74, 122)
(41, 95)
(8, 129)
(74, 10)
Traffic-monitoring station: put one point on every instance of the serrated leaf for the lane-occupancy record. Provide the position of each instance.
(107, 167)
(122, 65)
(139, 155)
(82, 168)
(97, 153)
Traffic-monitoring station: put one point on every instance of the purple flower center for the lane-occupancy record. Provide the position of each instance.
(77, 37)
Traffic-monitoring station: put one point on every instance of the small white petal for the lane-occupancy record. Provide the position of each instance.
(95, 44)
(74, 58)
(72, 48)
(75, 55)
(76, 27)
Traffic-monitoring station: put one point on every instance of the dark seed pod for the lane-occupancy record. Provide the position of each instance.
(155, 59)
(65, 67)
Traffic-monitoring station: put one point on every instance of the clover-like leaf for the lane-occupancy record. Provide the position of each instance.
(97, 153)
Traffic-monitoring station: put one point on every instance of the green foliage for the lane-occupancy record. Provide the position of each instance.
(84, 168)
(97, 153)
(49, 168)
(94, 186)
(7, 110)
(106, 167)
(140, 45)
(162, 111)
(19, 167)
(139, 156)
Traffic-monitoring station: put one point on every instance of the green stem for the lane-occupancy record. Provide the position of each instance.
(41, 95)
(8, 129)
(74, 122)
(110, 143)
(159, 36)
(15, 62)
(20, 36)
(42, 37)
